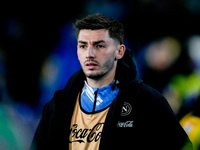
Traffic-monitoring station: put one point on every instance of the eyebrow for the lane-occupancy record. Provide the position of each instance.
(95, 43)
(83, 42)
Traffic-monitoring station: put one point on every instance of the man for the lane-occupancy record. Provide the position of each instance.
(104, 105)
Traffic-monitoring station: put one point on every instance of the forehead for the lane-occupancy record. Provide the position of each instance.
(93, 35)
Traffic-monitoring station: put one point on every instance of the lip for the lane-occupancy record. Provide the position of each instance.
(91, 65)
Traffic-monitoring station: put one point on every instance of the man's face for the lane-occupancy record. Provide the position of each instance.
(96, 53)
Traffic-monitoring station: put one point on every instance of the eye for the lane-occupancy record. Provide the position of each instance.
(100, 46)
(82, 46)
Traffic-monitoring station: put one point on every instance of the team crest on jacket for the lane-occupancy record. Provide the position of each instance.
(126, 109)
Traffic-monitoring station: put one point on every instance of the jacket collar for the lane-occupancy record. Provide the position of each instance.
(126, 68)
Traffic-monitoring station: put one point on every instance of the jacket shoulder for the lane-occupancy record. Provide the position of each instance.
(72, 84)
(151, 98)
(150, 92)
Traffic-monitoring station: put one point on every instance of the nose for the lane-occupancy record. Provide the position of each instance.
(90, 52)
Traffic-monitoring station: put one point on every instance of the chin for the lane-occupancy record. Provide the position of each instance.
(94, 76)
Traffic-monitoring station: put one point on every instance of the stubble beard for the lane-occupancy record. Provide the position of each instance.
(96, 76)
(106, 68)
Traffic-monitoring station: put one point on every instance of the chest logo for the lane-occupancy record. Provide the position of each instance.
(86, 135)
(127, 124)
(126, 109)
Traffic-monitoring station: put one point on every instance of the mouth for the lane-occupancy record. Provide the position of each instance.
(91, 65)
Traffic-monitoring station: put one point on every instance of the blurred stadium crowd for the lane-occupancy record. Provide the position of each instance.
(38, 55)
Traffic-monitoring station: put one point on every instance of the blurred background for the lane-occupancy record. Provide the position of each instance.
(38, 55)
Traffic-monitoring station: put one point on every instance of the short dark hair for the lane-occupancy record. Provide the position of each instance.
(99, 21)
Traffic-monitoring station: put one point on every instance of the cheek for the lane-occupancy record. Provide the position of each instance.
(109, 59)
(79, 56)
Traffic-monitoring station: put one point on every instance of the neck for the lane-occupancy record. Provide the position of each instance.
(98, 83)
(103, 81)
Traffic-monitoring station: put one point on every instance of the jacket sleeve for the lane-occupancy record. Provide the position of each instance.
(161, 122)
(42, 133)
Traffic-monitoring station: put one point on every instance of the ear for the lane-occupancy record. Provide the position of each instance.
(120, 52)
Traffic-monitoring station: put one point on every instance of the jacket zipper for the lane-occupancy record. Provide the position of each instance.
(95, 100)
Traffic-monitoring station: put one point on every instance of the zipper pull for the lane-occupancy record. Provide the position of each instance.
(95, 100)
